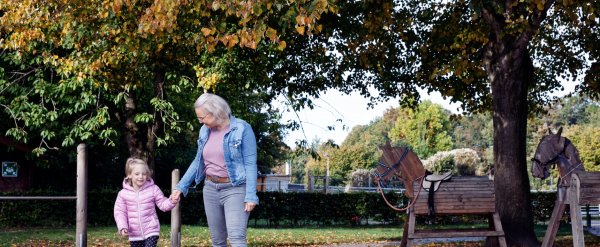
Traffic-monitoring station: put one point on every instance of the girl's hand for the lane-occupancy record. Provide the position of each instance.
(175, 196)
(124, 232)
(249, 206)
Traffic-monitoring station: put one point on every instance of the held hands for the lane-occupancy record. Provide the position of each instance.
(249, 206)
(124, 232)
(175, 196)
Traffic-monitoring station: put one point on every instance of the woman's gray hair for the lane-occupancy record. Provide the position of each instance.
(215, 105)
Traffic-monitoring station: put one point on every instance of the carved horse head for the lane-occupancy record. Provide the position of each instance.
(399, 162)
(556, 149)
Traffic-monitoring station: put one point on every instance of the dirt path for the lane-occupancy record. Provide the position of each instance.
(473, 241)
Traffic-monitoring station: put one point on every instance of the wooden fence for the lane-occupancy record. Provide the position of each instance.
(80, 197)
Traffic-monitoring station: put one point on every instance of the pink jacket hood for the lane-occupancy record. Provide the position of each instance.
(136, 210)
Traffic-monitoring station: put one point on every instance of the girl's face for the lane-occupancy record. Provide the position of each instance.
(138, 176)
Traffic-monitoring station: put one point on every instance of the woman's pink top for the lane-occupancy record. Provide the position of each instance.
(213, 154)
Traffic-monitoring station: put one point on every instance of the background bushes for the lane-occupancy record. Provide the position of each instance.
(276, 209)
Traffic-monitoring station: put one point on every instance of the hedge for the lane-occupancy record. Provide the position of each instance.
(276, 209)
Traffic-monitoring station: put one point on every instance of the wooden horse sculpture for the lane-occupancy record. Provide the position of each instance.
(556, 149)
(461, 195)
(399, 161)
(407, 165)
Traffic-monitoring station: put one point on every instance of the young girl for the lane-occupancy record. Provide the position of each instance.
(135, 212)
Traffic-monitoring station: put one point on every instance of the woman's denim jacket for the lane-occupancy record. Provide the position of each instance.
(239, 147)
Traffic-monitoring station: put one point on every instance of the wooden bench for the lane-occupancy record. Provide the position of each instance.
(584, 190)
(458, 196)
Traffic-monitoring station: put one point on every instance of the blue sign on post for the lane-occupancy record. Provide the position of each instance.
(9, 169)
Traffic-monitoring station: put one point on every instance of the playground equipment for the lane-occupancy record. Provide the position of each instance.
(455, 196)
(576, 187)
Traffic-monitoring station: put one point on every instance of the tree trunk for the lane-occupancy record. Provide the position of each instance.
(510, 71)
(131, 129)
(156, 127)
(143, 145)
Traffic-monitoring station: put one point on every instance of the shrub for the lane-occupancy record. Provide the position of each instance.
(360, 178)
(462, 162)
(276, 209)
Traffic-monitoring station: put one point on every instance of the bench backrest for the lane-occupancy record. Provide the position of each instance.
(459, 195)
(589, 186)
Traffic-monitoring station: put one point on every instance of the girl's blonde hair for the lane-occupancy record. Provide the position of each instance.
(131, 163)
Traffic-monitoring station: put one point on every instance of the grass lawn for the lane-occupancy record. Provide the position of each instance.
(199, 236)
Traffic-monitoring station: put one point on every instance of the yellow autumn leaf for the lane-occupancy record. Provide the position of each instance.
(224, 39)
(117, 4)
(271, 33)
(216, 5)
(243, 40)
(300, 19)
(300, 30)
(281, 45)
(103, 14)
(233, 41)
(211, 47)
(205, 31)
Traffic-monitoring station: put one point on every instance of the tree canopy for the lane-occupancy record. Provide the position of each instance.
(93, 63)
(499, 56)
(426, 129)
(126, 71)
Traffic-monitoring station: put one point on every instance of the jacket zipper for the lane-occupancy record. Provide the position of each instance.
(139, 213)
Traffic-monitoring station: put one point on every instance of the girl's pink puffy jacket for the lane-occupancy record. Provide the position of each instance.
(135, 210)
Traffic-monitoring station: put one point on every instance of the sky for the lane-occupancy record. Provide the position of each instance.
(352, 110)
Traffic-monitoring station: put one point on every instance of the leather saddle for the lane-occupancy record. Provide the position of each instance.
(431, 183)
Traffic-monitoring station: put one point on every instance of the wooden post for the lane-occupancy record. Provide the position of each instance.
(557, 212)
(588, 216)
(326, 181)
(175, 214)
(311, 182)
(81, 224)
(575, 209)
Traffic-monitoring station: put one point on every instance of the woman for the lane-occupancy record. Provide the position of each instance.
(226, 161)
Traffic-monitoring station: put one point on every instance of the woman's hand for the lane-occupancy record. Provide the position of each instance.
(249, 206)
(124, 232)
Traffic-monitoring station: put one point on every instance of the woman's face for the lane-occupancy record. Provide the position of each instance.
(206, 118)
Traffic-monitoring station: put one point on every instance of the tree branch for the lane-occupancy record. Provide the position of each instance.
(43, 141)
(494, 23)
(21, 76)
(12, 114)
(535, 20)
